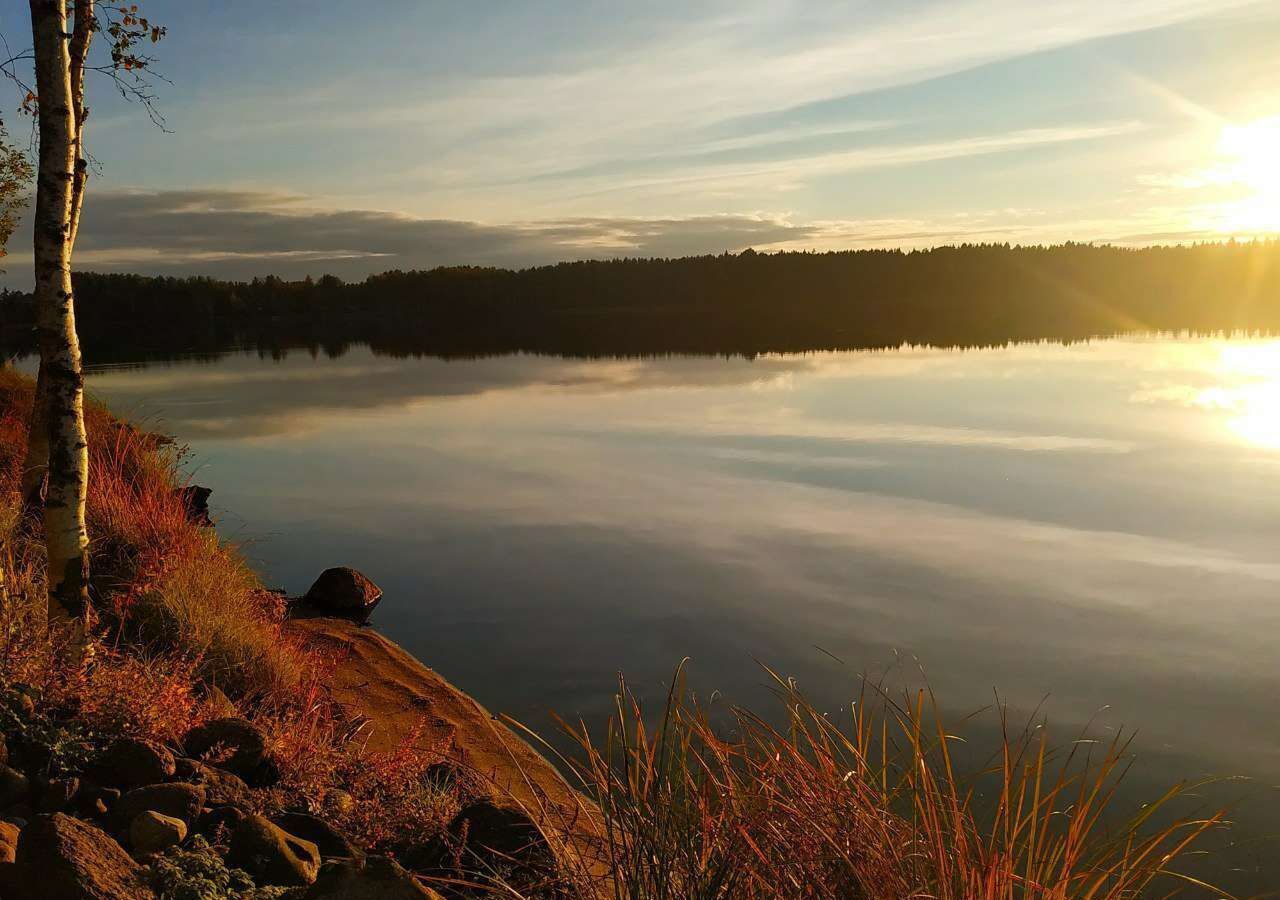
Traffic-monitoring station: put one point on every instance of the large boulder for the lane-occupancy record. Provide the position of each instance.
(62, 858)
(369, 878)
(271, 855)
(233, 744)
(178, 799)
(152, 832)
(130, 763)
(345, 593)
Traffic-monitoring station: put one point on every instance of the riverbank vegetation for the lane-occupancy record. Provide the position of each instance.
(744, 303)
(868, 802)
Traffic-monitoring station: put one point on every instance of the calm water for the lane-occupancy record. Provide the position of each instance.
(1099, 524)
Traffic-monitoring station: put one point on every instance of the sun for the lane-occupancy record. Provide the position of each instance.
(1250, 161)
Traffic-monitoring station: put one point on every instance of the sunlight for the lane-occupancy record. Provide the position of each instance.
(1249, 156)
(1253, 401)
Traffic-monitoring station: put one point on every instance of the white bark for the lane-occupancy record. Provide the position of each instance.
(68, 460)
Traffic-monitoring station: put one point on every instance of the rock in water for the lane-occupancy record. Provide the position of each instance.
(195, 500)
(371, 878)
(271, 855)
(130, 763)
(345, 593)
(61, 858)
(151, 832)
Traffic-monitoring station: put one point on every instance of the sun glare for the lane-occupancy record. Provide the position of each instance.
(1250, 160)
(1250, 394)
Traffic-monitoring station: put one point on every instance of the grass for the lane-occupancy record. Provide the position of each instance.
(871, 807)
(188, 633)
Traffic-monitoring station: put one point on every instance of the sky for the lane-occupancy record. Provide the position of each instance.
(306, 138)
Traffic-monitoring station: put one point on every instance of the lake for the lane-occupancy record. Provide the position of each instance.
(1098, 524)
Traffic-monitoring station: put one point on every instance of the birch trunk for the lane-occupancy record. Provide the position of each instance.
(68, 467)
(36, 462)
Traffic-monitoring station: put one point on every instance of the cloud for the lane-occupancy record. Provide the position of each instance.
(239, 234)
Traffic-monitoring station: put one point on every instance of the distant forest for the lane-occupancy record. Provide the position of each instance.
(744, 303)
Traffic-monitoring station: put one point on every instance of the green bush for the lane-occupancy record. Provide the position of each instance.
(199, 873)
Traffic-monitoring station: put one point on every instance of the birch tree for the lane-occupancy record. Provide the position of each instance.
(57, 452)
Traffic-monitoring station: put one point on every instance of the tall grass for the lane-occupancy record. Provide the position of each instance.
(872, 807)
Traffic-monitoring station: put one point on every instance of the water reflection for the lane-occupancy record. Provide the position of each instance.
(1096, 522)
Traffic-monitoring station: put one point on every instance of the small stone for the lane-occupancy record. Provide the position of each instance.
(55, 794)
(130, 763)
(331, 843)
(221, 788)
(18, 812)
(152, 832)
(339, 802)
(177, 799)
(370, 878)
(219, 817)
(242, 742)
(271, 855)
(490, 836)
(95, 800)
(14, 786)
(8, 841)
(344, 592)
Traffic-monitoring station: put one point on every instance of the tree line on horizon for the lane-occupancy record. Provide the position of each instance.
(966, 295)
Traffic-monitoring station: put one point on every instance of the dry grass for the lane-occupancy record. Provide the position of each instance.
(872, 808)
(185, 625)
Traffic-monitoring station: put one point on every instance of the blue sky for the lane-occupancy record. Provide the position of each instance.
(324, 136)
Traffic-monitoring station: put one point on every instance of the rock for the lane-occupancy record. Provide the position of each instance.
(499, 831)
(271, 855)
(195, 500)
(221, 788)
(18, 812)
(8, 841)
(61, 858)
(95, 800)
(223, 816)
(339, 802)
(130, 763)
(14, 786)
(371, 878)
(241, 746)
(345, 593)
(4, 750)
(55, 794)
(481, 838)
(152, 832)
(179, 799)
(331, 843)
